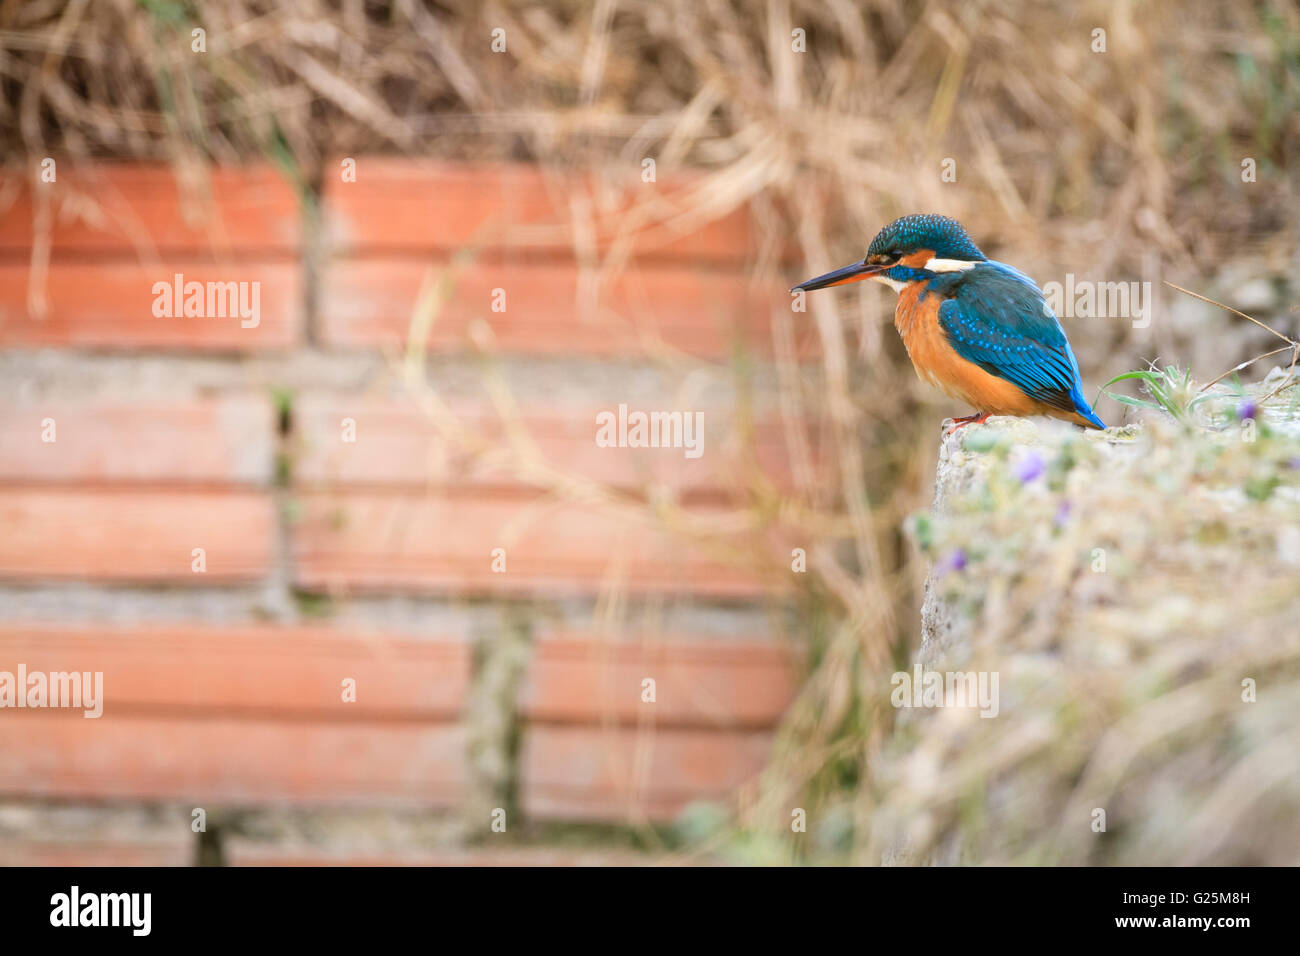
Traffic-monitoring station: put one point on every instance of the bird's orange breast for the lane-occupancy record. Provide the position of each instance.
(937, 362)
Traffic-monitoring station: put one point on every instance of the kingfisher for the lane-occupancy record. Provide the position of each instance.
(977, 329)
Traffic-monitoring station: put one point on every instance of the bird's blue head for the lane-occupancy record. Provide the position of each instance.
(908, 249)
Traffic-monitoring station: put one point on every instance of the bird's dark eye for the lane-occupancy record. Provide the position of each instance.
(895, 254)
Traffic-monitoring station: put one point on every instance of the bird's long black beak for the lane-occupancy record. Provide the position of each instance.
(854, 273)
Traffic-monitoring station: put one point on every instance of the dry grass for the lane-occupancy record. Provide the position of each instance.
(1116, 151)
(1123, 164)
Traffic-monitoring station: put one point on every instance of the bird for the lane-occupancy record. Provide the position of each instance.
(977, 329)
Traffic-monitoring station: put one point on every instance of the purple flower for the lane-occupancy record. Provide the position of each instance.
(953, 562)
(1062, 513)
(1029, 467)
(1293, 462)
(1247, 409)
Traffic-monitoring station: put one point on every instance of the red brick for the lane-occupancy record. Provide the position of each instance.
(231, 760)
(293, 672)
(110, 305)
(617, 774)
(175, 851)
(137, 210)
(700, 682)
(370, 303)
(245, 853)
(134, 535)
(230, 439)
(241, 714)
(443, 542)
(398, 445)
(404, 207)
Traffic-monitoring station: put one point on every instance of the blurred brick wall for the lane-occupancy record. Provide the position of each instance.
(328, 559)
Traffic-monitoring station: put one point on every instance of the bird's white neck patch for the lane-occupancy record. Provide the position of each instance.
(949, 265)
(892, 283)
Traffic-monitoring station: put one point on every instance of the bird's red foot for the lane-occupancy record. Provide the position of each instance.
(967, 420)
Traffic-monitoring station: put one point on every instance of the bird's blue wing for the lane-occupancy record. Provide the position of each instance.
(997, 318)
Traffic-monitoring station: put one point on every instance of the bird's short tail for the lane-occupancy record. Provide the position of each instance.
(1087, 417)
(1090, 419)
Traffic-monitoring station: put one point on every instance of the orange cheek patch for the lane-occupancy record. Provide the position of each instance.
(918, 259)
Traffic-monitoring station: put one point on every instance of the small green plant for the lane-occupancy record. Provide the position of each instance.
(1171, 389)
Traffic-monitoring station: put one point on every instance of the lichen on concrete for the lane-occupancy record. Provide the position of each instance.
(1136, 592)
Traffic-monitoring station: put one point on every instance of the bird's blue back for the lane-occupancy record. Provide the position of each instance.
(996, 317)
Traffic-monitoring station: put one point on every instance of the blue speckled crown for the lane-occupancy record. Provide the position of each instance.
(929, 231)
